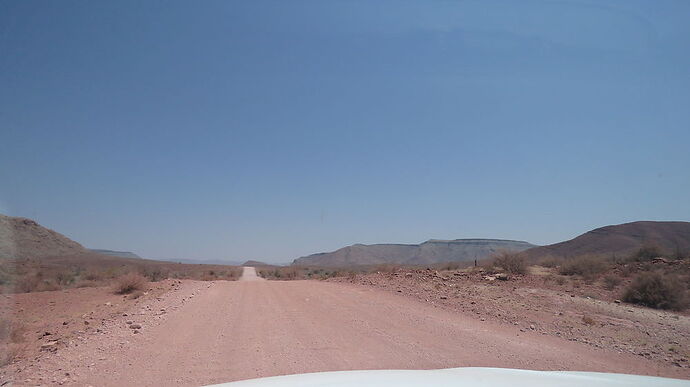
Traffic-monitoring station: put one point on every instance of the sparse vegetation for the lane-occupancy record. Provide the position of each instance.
(11, 339)
(11, 331)
(557, 279)
(657, 290)
(586, 266)
(286, 273)
(588, 320)
(510, 262)
(129, 283)
(27, 276)
(550, 262)
(154, 274)
(611, 281)
(647, 252)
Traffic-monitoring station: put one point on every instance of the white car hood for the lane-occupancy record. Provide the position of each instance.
(469, 376)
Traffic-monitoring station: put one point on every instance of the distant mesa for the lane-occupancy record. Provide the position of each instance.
(620, 239)
(255, 263)
(429, 252)
(113, 253)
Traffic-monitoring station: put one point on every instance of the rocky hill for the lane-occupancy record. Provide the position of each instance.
(429, 252)
(22, 238)
(620, 239)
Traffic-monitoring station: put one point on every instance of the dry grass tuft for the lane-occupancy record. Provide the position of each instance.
(588, 320)
(511, 262)
(585, 266)
(9, 352)
(611, 281)
(129, 283)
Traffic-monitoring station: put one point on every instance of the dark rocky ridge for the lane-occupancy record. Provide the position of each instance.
(621, 239)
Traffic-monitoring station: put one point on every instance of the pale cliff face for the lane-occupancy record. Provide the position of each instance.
(433, 251)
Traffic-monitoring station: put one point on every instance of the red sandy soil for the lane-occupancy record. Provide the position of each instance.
(575, 311)
(196, 333)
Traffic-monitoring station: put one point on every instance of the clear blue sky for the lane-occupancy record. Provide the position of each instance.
(270, 130)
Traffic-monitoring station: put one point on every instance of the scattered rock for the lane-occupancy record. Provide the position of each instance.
(135, 326)
(50, 346)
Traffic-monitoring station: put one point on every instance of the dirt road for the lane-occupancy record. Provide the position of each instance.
(206, 333)
(249, 274)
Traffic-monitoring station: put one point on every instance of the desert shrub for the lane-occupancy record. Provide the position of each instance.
(93, 275)
(611, 281)
(154, 274)
(111, 272)
(87, 284)
(5, 275)
(48, 286)
(65, 278)
(679, 253)
(585, 266)
(658, 291)
(8, 352)
(550, 262)
(510, 262)
(588, 320)
(647, 252)
(450, 266)
(26, 284)
(555, 278)
(618, 260)
(129, 283)
(290, 273)
(627, 270)
(11, 331)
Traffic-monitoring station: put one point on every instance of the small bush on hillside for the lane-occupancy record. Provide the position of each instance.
(450, 266)
(8, 353)
(11, 331)
(65, 278)
(679, 254)
(154, 274)
(658, 291)
(129, 283)
(611, 281)
(26, 284)
(647, 252)
(588, 320)
(93, 275)
(550, 262)
(585, 266)
(512, 263)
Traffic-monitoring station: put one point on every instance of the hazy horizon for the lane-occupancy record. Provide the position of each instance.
(272, 130)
